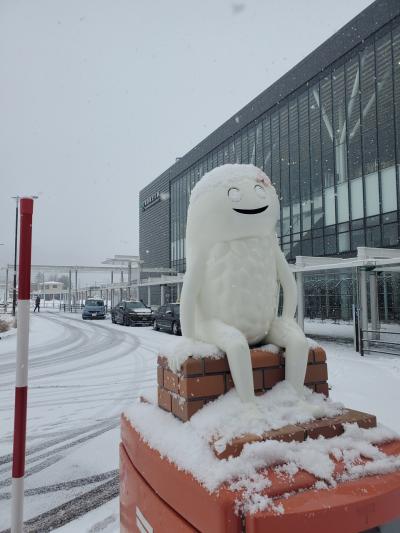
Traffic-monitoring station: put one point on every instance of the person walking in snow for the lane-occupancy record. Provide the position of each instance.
(37, 304)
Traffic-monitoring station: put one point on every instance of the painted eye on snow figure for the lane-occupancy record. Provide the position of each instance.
(234, 194)
(260, 192)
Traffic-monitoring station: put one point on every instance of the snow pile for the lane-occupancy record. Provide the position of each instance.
(227, 417)
(187, 445)
(7, 322)
(177, 353)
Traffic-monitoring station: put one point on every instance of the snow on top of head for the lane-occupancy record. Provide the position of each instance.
(227, 175)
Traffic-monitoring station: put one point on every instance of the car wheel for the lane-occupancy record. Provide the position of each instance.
(175, 328)
(155, 325)
(126, 321)
(112, 319)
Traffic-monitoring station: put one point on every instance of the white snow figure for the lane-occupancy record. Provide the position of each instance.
(234, 266)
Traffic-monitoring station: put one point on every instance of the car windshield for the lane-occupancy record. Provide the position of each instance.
(176, 308)
(94, 303)
(135, 305)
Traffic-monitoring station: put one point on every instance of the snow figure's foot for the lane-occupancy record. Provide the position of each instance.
(253, 411)
(316, 411)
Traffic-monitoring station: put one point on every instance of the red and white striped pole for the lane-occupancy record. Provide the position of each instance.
(21, 382)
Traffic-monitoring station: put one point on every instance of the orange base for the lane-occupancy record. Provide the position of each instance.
(154, 491)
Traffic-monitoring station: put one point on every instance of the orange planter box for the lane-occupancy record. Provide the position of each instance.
(203, 380)
(158, 495)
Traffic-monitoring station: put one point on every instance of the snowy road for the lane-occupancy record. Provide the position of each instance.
(81, 374)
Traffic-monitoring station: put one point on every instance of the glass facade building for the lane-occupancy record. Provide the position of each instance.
(328, 135)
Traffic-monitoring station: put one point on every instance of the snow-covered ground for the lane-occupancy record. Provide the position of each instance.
(83, 374)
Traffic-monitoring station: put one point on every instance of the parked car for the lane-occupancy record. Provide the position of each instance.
(168, 318)
(94, 309)
(132, 313)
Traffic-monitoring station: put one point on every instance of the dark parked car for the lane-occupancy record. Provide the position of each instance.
(94, 308)
(167, 317)
(132, 313)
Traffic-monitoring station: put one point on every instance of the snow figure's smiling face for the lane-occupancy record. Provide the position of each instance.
(233, 202)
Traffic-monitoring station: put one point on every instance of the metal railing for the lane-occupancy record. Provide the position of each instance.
(379, 341)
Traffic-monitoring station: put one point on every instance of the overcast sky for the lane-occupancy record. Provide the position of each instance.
(98, 97)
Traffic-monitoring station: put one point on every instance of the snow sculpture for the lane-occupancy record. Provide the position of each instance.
(234, 267)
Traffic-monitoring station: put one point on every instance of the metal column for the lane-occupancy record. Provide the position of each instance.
(6, 294)
(112, 290)
(363, 305)
(178, 292)
(300, 299)
(162, 294)
(149, 295)
(373, 294)
(69, 292)
(76, 286)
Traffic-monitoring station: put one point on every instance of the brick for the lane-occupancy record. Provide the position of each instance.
(322, 388)
(263, 359)
(286, 434)
(331, 427)
(184, 409)
(327, 427)
(213, 366)
(319, 354)
(171, 381)
(257, 378)
(316, 373)
(311, 358)
(272, 376)
(162, 361)
(164, 399)
(193, 367)
(235, 447)
(160, 376)
(363, 420)
(202, 386)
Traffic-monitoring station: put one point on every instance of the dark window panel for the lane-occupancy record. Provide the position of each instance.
(318, 246)
(306, 247)
(275, 151)
(238, 148)
(330, 244)
(259, 146)
(252, 144)
(325, 103)
(245, 146)
(390, 235)
(267, 145)
(396, 71)
(373, 237)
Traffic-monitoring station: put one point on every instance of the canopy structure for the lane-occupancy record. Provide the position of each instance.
(366, 267)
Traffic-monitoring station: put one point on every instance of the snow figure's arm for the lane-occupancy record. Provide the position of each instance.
(191, 287)
(288, 283)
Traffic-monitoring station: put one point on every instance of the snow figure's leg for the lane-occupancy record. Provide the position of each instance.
(236, 347)
(287, 333)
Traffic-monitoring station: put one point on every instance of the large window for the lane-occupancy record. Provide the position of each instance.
(332, 150)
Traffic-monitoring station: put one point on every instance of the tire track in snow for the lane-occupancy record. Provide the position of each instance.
(72, 509)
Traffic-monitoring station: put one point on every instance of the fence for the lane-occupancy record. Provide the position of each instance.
(380, 341)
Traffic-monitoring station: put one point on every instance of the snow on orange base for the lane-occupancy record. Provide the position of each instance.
(164, 491)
